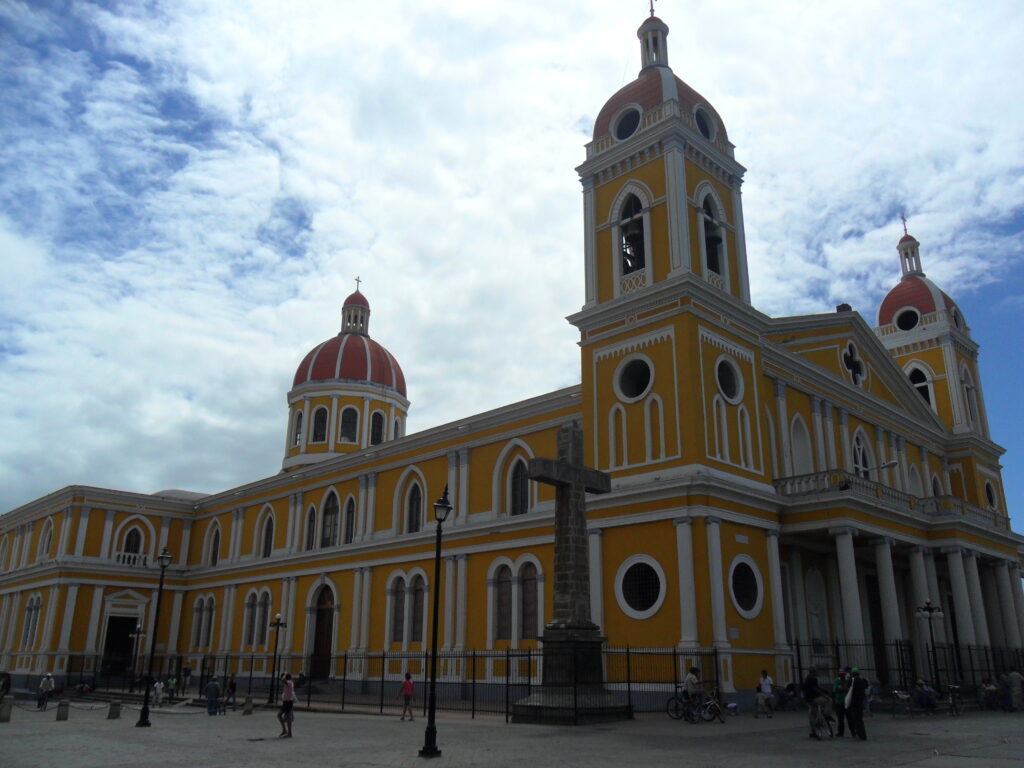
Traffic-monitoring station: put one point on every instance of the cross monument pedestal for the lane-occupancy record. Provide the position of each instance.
(572, 665)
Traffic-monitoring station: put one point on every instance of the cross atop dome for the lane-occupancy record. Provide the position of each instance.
(355, 313)
(910, 255)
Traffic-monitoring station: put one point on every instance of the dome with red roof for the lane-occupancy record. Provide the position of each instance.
(352, 355)
(655, 85)
(915, 297)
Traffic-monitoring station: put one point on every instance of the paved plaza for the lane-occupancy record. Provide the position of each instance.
(188, 737)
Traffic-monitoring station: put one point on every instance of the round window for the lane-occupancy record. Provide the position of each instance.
(704, 124)
(634, 378)
(627, 124)
(728, 379)
(640, 586)
(746, 587)
(907, 319)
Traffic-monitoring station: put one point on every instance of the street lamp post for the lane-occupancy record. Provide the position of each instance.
(136, 637)
(932, 613)
(442, 508)
(275, 625)
(164, 559)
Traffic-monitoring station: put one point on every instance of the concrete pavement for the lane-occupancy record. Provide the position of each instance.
(188, 737)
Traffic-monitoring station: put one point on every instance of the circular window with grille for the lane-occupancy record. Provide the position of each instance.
(640, 586)
(634, 377)
(627, 123)
(907, 319)
(730, 381)
(745, 586)
(705, 123)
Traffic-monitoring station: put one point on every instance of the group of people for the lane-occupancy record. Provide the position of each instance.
(842, 701)
(217, 699)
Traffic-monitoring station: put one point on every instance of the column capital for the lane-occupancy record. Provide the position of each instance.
(682, 520)
(780, 388)
(460, 557)
(815, 402)
(887, 541)
(971, 553)
(595, 532)
(952, 550)
(840, 530)
(844, 416)
(920, 549)
(772, 533)
(712, 520)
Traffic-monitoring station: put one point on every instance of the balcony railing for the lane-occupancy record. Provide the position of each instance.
(132, 559)
(838, 482)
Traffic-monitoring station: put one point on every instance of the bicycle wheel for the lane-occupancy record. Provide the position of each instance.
(718, 712)
(675, 707)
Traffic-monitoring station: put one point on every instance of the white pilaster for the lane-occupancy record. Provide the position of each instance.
(1017, 590)
(83, 528)
(453, 483)
(782, 411)
(175, 627)
(306, 426)
(819, 434)
(108, 527)
(94, 619)
(688, 630)
(775, 589)
(741, 242)
(887, 590)
(463, 498)
(65, 533)
(844, 435)
(364, 621)
(830, 436)
(993, 608)
(719, 635)
(1007, 606)
(977, 599)
(449, 602)
(357, 607)
(186, 539)
(796, 583)
(460, 614)
(676, 204)
(596, 578)
(589, 241)
(961, 596)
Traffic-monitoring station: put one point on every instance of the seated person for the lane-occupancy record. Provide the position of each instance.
(924, 695)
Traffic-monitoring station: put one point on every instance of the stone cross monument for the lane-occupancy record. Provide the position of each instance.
(573, 690)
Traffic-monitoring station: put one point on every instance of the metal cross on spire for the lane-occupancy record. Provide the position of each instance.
(651, 3)
(358, 281)
(903, 218)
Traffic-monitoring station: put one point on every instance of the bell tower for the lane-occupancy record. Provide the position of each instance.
(661, 187)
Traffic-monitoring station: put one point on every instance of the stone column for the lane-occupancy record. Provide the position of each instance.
(1007, 606)
(70, 601)
(1017, 590)
(460, 613)
(688, 631)
(961, 596)
(846, 559)
(364, 618)
(830, 436)
(449, 601)
(977, 599)
(108, 527)
(919, 590)
(453, 484)
(844, 434)
(65, 533)
(172, 633)
(94, 619)
(936, 596)
(462, 500)
(819, 436)
(796, 583)
(83, 529)
(357, 607)
(887, 590)
(719, 635)
(186, 538)
(305, 425)
(775, 589)
(783, 414)
(993, 611)
(596, 578)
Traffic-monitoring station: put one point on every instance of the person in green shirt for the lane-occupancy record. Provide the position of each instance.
(840, 686)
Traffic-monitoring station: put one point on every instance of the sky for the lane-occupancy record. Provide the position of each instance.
(189, 189)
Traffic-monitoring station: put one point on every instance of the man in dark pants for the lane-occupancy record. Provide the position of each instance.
(855, 712)
(839, 688)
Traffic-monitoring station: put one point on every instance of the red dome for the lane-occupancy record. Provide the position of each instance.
(907, 239)
(351, 356)
(654, 86)
(356, 299)
(914, 291)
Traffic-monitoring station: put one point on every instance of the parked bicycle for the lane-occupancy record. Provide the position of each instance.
(682, 706)
(956, 704)
(821, 725)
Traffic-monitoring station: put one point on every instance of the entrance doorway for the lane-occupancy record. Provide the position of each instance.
(117, 646)
(323, 637)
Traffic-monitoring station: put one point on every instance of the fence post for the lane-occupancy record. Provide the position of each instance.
(344, 678)
(575, 689)
(383, 668)
(675, 668)
(250, 675)
(718, 682)
(472, 686)
(426, 681)
(629, 681)
(508, 668)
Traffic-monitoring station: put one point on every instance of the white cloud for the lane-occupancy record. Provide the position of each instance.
(189, 189)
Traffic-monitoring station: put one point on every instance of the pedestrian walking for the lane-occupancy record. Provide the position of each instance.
(1016, 681)
(407, 693)
(172, 685)
(817, 699)
(186, 678)
(855, 709)
(212, 696)
(45, 689)
(764, 695)
(158, 693)
(232, 693)
(840, 687)
(285, 716)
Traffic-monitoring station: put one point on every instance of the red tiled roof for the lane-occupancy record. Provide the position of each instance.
(913, 291)
(354, 357)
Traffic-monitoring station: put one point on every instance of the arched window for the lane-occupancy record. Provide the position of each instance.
(31, 623)
(214, 555)
(862, 459)
(721, 428)
(45, 541)
(936, 486)
(631, 228)
(377, 428)
(746, 443)
(329, 528)
(655, 429)
(311, 528)
(349, 431)
(800, 445)
(208, 624)
(414, 510)
(418, 594)
(503, 604)
(320, 425)
(519, 489)
(297, 429)
(970, 394)
(919, 379)
(3, 554)
(528, 601)
(249, 638)
(197, 622)
(713, 236)
(617, 436)
(267, 540)
(133, 541)
(350, 521)
(914, 482)
(398, 611)
(263, 623)
(398, 428)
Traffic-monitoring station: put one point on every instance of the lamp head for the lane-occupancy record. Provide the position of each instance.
(442, 507)
(165, 558)
(277, 617)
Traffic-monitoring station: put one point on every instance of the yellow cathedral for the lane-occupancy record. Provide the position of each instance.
(784, 490)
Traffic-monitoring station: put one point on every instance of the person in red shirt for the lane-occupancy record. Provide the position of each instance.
(287, 702)
(407, 689)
